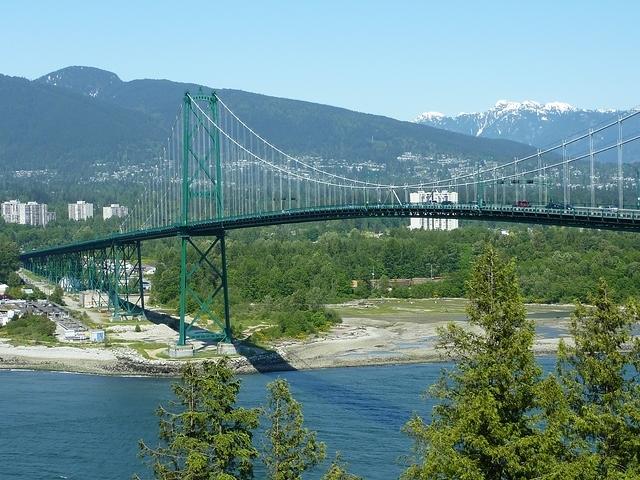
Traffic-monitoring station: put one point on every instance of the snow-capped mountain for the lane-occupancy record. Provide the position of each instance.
(538, 124)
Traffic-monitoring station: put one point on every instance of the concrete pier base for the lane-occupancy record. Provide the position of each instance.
(225, 348)
(180, 351)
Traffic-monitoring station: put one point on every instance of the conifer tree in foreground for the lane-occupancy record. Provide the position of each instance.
(485, 424)
(600, 377)
(205, 436)
(338, 471)
(291, 449)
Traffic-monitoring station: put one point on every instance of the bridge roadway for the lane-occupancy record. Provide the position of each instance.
(596, 218)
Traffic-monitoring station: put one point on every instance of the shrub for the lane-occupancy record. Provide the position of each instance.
(31, 327)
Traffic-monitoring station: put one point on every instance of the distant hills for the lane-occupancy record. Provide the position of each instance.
(73, 118)
(527, 122)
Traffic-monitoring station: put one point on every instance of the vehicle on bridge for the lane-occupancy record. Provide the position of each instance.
(522, 204)
(560, 206)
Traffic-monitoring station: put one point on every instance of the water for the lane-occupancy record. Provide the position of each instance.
(59, 425)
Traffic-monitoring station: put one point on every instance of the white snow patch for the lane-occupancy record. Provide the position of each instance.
(429, 116)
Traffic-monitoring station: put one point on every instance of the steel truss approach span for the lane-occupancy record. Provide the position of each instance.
(216, 174)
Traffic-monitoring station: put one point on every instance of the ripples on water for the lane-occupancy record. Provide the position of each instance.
(58, 425)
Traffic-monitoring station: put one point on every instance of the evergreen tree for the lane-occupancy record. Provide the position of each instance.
(57, 295)
(9, 259)
(291, 449)
(600, 376)
(207, 437)
(338, 471)
(485, 425)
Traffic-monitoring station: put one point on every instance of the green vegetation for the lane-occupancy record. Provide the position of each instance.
(485, 423)
(285, 319)
(30, 328)
(319, 263)
(291, 449)
(496, 417)
(600, 378)
(282, 272)
(205, 436)
(9, 261)
(338, 471)
(56, 295)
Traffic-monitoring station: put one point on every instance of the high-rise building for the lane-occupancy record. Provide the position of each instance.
(114, 210)
(80, 210)
(430, 223)
(30, 213)
(10, 211)
(33, 213)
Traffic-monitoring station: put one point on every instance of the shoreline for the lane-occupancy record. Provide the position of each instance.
(372, 333)
(171, 369)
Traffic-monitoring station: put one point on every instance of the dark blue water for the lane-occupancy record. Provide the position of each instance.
(58, 425)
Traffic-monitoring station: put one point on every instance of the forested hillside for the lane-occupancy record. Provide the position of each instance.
(43, 127)
(79, 116)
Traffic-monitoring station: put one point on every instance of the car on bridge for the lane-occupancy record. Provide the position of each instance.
(522, 204)
(559, 206)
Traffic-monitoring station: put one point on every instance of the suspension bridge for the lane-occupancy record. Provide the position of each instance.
(216, 174)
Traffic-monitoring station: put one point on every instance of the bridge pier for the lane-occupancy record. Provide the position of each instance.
(203, 261)
(127, 289)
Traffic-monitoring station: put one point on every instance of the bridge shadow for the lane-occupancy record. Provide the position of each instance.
(261, 359)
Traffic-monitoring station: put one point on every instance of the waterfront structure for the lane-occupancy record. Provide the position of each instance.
(444, 197)
(114, 210)
(80, 210)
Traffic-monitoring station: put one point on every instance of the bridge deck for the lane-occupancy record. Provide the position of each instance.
(596, 218)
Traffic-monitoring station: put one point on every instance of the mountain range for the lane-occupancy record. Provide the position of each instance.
(75, 117)
(533, 123)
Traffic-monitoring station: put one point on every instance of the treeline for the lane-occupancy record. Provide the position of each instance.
(319, 261)
(554, 264)
(496, 415)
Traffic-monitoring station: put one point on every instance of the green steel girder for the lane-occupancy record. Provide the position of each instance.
(114, 272)
(202, 164)
(621, 220)
(126, 288)
(211, 261)
(205, 259)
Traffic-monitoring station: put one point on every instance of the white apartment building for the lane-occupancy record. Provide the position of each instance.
(114, 210)
(10, 211)
(80, 210)
(34, 214)
(429, 223)
(30, 213)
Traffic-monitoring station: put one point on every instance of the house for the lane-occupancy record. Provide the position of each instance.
(6, 317)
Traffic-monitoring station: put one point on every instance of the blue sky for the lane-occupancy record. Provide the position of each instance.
(395, 58)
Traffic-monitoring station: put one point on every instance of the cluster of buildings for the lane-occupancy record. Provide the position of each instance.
(82, 210)
(30, 213)
(38, 215)
(67, 328)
